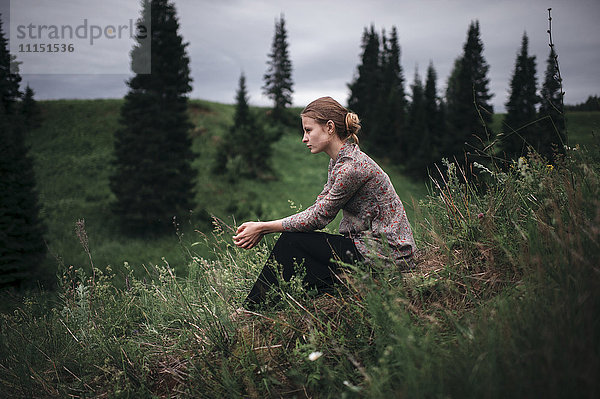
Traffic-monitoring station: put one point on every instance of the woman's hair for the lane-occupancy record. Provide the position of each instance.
(326, 109)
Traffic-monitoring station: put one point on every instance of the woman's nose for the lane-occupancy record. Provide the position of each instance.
(305, 138)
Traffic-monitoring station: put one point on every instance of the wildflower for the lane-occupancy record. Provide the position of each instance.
(480, 216)
(314, 356)
(352, 387)
(549, 168)
(522, 161)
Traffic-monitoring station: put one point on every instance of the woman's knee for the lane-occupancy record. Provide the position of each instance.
(284, 240)
(290, 240)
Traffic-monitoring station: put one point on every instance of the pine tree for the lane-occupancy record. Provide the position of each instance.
(278, 78)
(9, 81)
(551, 126)
(417, 127)
(22, 247)
(435, 125)
(521, 113)
(364, 89)
(30, 110)
(377, 95)
(389, 125)
(435, 122)
(468, 106)
(153, 179)
(240, 154)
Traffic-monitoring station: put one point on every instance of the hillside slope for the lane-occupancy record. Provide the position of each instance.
(72, 151)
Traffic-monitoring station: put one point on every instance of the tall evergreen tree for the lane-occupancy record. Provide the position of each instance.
(9, 81)
(435, 122)
(240, 154)
(389, 125)
(153, 179)
(435, 125)
(278, 78)
(364, 89)
(468, 106)
(417, 127)
(22, 247)
(521, 112)
(551, 127)
(377, 95)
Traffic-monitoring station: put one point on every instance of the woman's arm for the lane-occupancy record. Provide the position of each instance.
(346, 178)
(250, 233)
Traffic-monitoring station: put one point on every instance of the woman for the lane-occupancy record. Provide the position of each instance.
(374, 224)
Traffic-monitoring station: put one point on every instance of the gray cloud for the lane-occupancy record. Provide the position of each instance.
(228, 37)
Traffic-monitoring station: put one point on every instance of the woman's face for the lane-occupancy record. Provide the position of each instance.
(316, 136)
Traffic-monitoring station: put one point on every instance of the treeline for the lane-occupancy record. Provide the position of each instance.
(591, 104)
(419, 127)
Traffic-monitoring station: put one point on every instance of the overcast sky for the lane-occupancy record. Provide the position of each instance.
(227, 38)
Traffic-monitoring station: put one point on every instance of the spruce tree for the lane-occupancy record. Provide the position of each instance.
(22, 247)
(521, 112)
(389, 124)
(9, 81)
(435, 122)
(468, 108)
(240, 154)
(417, 139)
(153, 179)
(278, 78)
(435, 125)
(551, 129)
(364, 89)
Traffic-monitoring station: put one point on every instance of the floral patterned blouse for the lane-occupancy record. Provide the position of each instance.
(373, 215)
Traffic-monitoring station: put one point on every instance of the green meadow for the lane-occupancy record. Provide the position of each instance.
(72, 152)
(504, 301)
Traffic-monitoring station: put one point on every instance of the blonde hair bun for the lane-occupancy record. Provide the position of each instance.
(352, 125)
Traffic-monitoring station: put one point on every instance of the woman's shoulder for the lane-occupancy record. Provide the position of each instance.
(356, 155)
(355, 162)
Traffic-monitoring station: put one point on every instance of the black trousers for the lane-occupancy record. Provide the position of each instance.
(314, 251)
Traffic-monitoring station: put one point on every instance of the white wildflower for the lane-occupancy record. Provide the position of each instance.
(352, 387)
(314, 356)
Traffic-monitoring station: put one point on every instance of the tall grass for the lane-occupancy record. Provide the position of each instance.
(504, 302)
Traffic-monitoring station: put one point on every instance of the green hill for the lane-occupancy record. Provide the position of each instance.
(72, 151)
(503, 300)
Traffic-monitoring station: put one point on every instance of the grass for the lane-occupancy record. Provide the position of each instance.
(504, 301)
(498, 307)
(72, 154)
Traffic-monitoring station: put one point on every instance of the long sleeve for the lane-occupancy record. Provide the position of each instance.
(343, 182)
(373, 213)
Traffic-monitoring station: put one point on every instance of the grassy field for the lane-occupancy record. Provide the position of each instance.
(72, 151)
(504, 301)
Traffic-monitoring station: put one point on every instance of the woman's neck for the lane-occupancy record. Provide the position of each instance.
(334, 148)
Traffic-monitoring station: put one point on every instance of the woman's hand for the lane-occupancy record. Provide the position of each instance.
(249, 234)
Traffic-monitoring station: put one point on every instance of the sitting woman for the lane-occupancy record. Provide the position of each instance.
(374, 224)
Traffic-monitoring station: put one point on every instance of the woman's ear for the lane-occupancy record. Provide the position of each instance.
(330, 127)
